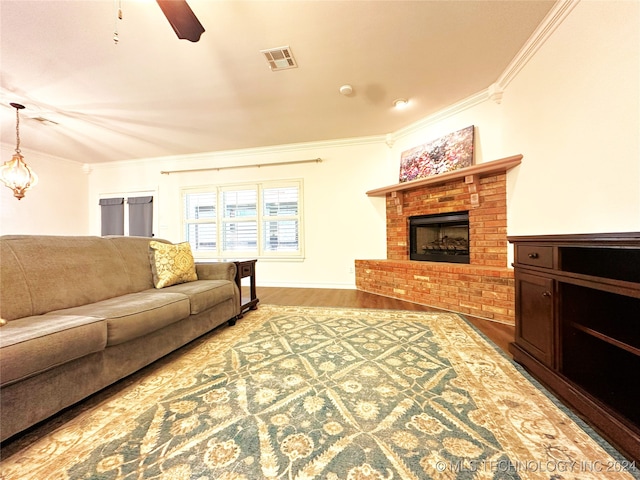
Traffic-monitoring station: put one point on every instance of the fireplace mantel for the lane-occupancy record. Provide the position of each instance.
(480, 170)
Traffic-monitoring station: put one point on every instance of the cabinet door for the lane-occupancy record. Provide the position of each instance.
(535, 330)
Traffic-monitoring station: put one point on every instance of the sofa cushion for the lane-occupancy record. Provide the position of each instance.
(42, 273)
(171, 264)
(205, 294)
(134, 252)
(35, 344)
(136, 314)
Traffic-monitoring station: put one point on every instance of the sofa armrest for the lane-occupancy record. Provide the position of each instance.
(216, 271)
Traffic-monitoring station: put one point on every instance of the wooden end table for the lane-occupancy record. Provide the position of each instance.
(247, 268)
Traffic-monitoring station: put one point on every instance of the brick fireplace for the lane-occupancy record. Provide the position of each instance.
(482, 288)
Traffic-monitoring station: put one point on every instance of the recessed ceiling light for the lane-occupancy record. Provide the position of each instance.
(346, 90)
(401, 103)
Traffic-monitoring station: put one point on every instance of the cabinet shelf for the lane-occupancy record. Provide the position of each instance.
(605, 371)
(606, 338)
(609, 316)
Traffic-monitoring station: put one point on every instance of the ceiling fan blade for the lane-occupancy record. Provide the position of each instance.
(182, 19)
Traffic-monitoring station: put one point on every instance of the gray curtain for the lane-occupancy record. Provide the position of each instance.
(140, 216)
(112, 216)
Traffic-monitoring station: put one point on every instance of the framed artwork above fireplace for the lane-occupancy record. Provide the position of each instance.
(447, 153)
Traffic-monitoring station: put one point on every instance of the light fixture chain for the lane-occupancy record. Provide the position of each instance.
(17, 130)
(117, 5)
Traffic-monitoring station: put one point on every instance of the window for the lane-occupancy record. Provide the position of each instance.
(261, 220)
(239, 220)
(200, 221)
(280, 219)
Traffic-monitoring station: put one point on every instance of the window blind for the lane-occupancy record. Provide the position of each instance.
(140, 216)
(112, 216)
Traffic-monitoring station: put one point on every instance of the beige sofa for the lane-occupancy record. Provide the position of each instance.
(83, 312)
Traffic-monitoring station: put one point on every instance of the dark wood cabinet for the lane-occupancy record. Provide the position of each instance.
(578, 326)
(537, 334)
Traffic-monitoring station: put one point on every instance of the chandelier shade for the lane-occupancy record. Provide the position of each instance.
(15, 173)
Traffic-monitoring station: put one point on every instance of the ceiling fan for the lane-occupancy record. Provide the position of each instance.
(182, 19)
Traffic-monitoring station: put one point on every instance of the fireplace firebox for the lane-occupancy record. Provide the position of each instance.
(440, 238)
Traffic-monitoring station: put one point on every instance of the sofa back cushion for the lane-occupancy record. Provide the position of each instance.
(134, 252)
(40, 273)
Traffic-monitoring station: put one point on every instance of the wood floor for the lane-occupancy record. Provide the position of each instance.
(499, 333)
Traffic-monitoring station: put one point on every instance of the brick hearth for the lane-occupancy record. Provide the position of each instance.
(483, 288)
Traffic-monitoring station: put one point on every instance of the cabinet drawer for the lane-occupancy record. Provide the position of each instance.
(245, 269)
(537, 255)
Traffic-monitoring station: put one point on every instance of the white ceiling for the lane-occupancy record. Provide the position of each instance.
(154, 95)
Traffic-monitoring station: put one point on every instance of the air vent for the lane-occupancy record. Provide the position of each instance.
(42, 119)
(38, 116)
(279, 58)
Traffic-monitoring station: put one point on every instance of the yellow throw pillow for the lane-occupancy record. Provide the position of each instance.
(172, 264)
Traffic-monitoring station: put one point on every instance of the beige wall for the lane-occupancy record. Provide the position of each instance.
(340, 222)
(57, 205)
(572, 110)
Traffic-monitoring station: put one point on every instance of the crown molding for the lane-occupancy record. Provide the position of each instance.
(437, 117)
(558, 13)
(249, 153)
(494, 92)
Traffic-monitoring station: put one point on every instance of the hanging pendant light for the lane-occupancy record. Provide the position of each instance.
(15, 173)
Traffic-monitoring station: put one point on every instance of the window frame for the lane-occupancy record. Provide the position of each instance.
(220, 221)
(206, 220)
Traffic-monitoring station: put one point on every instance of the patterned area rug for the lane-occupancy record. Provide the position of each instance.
(327, 393)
